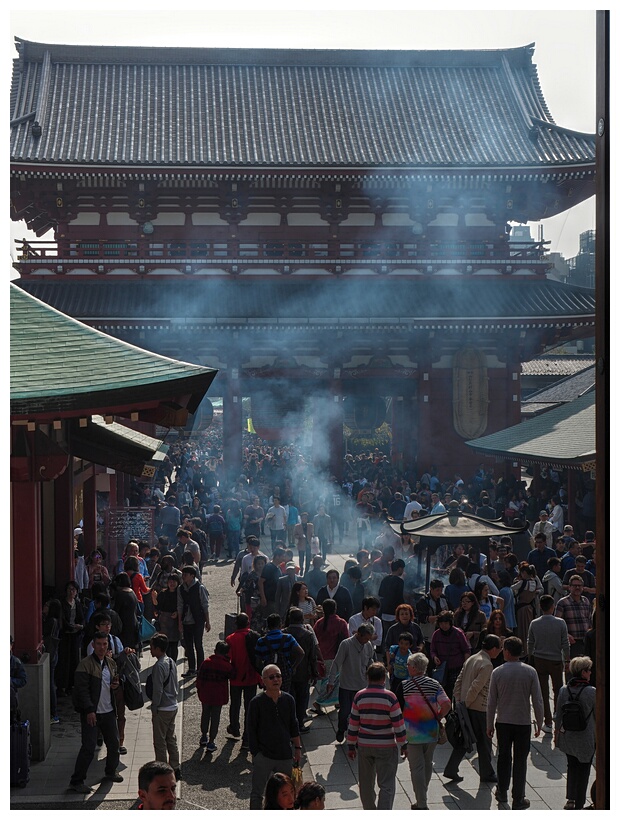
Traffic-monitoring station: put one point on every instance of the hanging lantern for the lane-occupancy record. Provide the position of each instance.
(364, 413)
(277, 417)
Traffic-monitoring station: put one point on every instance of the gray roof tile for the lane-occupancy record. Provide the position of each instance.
(557, 365)
(562, 391)
(560, 436)
(235, 107)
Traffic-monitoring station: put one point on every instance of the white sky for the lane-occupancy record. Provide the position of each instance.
(564, 53)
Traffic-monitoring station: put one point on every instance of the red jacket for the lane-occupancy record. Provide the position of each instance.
(245, 674)
(139, 586)
(212, 680)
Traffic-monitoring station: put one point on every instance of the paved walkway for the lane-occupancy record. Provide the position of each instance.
(325, 761)
(49, 779)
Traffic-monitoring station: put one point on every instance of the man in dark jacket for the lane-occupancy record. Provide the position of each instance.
(392, 594)
(342, 597)
(305, 673)
(193, 614)
(170, 519)
(95, 680)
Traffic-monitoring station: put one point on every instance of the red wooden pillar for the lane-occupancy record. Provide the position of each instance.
(411, 433)
(232, 423)
(327, 422)
(63, 528)
(399, 432)
(27, 594)
(90, 516)
(336, 438)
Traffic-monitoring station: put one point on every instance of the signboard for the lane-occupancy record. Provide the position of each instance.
(470, 393)
(127, 524)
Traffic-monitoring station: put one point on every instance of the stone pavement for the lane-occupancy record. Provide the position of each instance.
(221, 781)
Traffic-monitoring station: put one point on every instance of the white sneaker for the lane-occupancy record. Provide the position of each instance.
(547, 729)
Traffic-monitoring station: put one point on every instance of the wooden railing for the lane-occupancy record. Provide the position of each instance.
(88, 252)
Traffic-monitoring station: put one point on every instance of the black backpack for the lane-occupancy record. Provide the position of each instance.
(574, 717)
(130, 676)
(279, 657)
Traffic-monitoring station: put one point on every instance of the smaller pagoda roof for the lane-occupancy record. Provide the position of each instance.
(557, 365)
(61, 365)
(561, 392)
(564, 437)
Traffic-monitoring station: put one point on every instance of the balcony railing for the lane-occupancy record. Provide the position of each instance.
(108, 254)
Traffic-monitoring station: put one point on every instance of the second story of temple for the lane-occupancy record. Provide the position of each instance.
(174, 161)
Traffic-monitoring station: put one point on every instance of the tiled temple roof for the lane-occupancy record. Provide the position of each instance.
(239, 108)
(563, 437)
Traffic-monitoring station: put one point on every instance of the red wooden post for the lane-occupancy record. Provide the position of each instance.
(232, 422)
(336, 438)
(27, 593)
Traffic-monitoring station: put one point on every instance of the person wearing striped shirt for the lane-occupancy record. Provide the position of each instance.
(376, 735)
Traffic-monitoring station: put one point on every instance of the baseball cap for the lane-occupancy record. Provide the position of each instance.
(290, 565)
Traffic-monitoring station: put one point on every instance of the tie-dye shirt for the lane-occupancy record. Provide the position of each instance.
(420, 723)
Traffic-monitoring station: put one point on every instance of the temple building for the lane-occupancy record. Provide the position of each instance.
(324, 226)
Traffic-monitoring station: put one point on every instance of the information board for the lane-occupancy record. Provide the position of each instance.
(127, 524)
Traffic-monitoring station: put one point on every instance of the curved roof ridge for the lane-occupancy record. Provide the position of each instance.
(560, 129)
(33, 51)
(539, 91)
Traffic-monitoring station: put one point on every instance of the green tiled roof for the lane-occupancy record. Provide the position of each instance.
(564, 436)
(60, 363)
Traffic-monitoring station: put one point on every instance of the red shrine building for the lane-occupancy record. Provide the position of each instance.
(319, 226)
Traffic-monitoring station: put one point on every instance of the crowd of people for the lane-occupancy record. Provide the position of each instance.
(394, 657)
